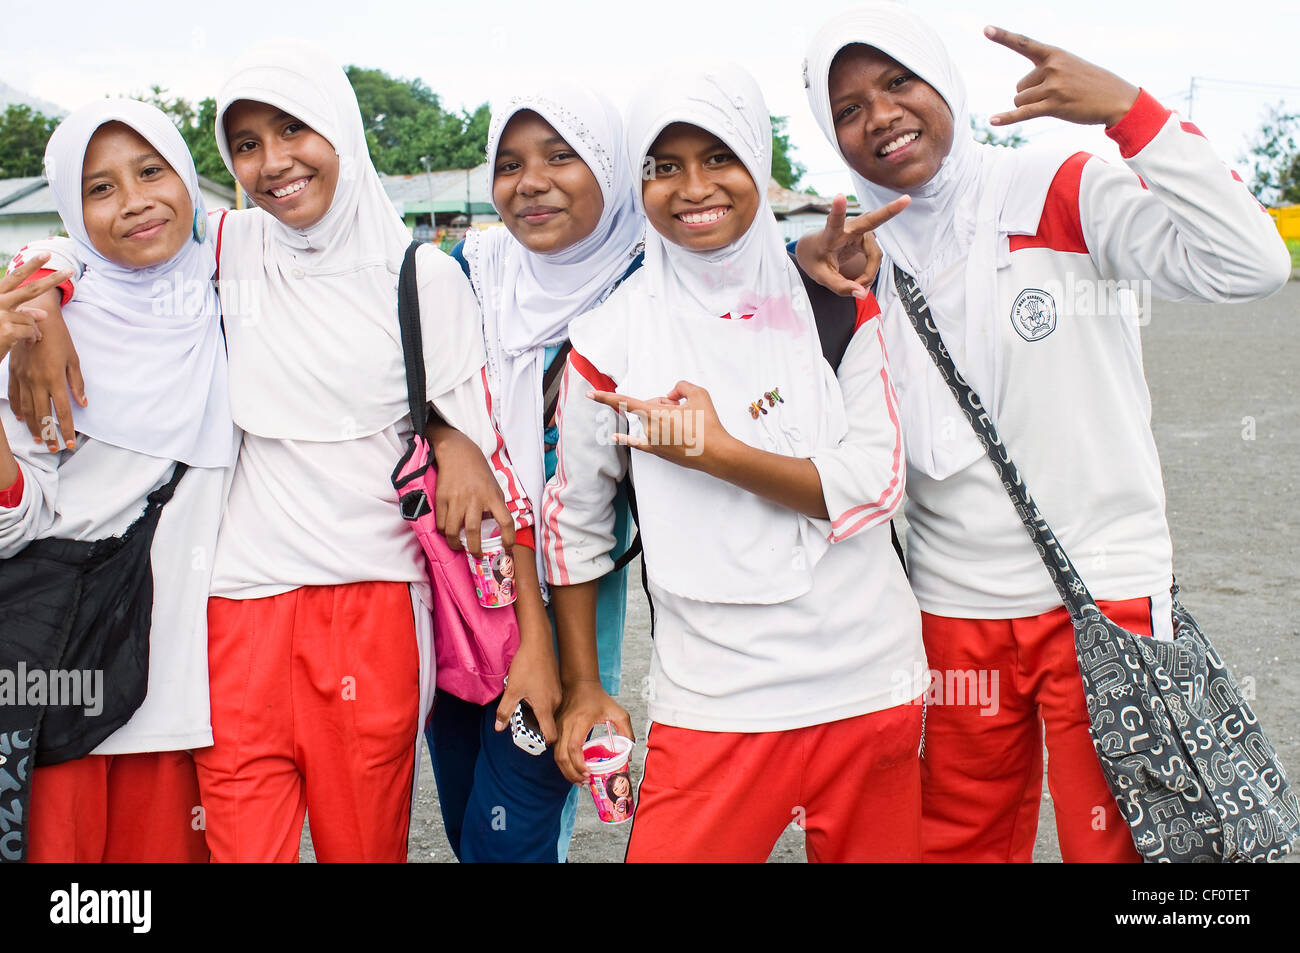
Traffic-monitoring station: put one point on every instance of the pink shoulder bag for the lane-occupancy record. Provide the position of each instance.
(473, 646)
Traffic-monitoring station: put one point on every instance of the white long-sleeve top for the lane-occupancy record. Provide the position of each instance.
(849, 646)
(98, 490)
(1072, 403)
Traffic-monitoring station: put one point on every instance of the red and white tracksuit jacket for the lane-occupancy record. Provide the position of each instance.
(1071, 399)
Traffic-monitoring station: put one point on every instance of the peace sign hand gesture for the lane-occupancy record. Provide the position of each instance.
(844, 256)
(1062, 85)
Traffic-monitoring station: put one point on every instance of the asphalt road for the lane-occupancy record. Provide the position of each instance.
(1226, 415)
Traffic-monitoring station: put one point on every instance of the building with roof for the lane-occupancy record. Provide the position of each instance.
(799, 213)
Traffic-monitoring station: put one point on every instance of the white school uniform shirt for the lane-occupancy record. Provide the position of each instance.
(1069, 395)
(98, 490)
(849, 646)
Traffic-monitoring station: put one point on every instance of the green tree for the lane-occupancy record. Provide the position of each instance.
(785, 170)
(987, 134)
(404, 121)
(197, 128)
(1274, 155)
(23, 135)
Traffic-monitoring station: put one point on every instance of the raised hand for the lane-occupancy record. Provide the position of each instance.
(844, 256)
(1062, 85)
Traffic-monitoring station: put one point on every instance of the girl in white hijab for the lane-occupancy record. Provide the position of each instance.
(572, 233)
(314, 556)
(149, 323)
(1028, 259)
(764, 487)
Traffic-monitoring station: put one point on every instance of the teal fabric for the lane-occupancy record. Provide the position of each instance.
(611, 592)
(611, 613)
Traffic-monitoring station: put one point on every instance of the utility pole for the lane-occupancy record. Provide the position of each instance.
(469, 214)
(424, 161)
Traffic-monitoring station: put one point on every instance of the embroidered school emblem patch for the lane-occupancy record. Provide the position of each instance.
(1034, 314)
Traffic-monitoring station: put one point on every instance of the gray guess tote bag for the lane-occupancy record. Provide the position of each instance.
(1190, 767)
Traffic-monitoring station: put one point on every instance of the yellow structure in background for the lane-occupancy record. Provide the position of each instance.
(1287, 220)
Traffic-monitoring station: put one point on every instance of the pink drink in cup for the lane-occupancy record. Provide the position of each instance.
(494, 571)
(611, 779)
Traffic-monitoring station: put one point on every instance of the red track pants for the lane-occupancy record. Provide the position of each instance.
(124, 808)
(982, 774)
(853, 785)
(314, 707)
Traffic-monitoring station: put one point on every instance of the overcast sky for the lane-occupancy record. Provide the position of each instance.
(471, 52)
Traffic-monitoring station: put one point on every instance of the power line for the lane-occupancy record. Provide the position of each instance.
(1236, 82)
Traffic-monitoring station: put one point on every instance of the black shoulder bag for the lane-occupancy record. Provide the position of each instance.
(1190, 767)
(71, 610)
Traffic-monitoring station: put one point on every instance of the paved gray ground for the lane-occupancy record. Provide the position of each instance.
(1226, 413)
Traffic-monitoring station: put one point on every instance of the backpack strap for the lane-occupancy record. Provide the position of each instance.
(551, 383)
(836, 317)
(408, 315)
(1069, 584)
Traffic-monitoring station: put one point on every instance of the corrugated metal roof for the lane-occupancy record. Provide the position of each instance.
(788, 202)
(14, 189)
(412, 192)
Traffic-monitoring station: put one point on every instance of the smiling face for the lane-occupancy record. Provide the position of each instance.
(284, 165)
(136, 209)
(701, 195)
(892, 126)
(547, 196)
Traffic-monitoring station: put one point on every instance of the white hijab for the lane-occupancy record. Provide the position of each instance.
(735, 321)
(149, 338)
(528, 299)
(980, 195)
(315, 347)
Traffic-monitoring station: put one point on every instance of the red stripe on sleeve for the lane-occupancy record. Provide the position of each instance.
(588, 370)
(868, 308)
(65, 289)
(524, 537)
(513, 490)
(866, 513)
(1140, 124)
(1060, 228)
(221, 227)
(551, 497)
(11, 497)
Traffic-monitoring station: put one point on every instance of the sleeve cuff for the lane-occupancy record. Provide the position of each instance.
(1140, 124)
(867, 308)
(65, 289)
(524, 537)
(11, 497)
